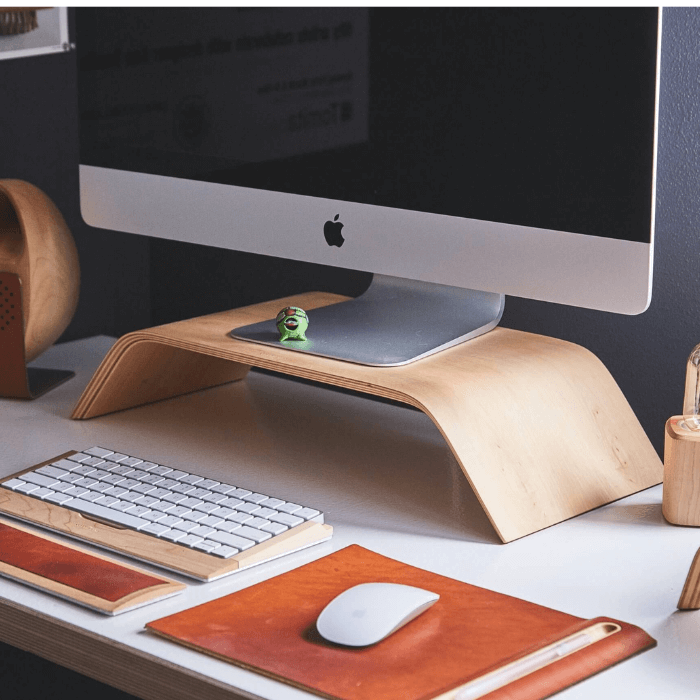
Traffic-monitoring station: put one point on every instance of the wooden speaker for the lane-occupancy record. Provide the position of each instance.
(39, 282)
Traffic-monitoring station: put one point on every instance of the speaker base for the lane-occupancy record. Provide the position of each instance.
(16, 379)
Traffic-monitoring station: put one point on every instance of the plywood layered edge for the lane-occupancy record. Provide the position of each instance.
(538, 425)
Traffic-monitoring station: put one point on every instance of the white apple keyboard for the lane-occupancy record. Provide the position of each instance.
(158, 514)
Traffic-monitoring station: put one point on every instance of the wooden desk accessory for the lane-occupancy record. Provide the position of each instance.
(538, 425)
(71, 572)
(39, 281)
(681, 496)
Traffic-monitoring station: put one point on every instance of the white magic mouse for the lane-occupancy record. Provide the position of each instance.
(366, 614)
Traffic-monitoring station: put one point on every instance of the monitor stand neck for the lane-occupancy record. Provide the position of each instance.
(396, 321)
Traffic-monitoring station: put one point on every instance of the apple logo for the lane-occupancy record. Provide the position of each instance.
(332, 232)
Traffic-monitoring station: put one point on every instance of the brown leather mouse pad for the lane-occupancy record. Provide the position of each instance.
(270, 628)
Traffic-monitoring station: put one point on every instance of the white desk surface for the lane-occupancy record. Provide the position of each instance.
(386, 481)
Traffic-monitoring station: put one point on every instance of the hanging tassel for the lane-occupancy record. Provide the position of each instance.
(17, 20)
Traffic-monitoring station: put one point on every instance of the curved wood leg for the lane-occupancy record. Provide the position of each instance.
(539, 426)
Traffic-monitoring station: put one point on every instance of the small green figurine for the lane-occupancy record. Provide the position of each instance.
(292, 323)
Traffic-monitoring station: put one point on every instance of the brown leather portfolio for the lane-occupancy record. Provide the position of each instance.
(468, 633)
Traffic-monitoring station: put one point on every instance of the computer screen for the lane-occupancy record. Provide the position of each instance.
(506, 150)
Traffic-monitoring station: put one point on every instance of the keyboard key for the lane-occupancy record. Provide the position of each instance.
(79, 457)
(212, 497)
(203, 530)
(48, 470)
(92, 461)
(231, 502)
(160, 470)
(122, 469)
(252, 533)
(290, 508)
(26, 487)
(228, 526)
(257, 522)
(131, 461)
(162, 506)
(240, 517)
(255, 498)
(84, 470)
(113, 479)
(137, 474)
(265, 512)
(76, 491)
(90, 495)
(39, 479)
(153, 515)
(155, 529)
(129, 483)
(192, 479)
(198, 493)
(102, 511)
(286, 519)
(206, 507)
(179, 511)
(70, 478)
(144, 488)
(65, 464)
(168, 483)
(274, 528)
(86, 481)
(182, 488)
(170, 521)
(122, 506)
(191, 502)
(176, 474)
(159, 493)
(194, 516)
(225, 552)
(173, 535)
(117, 492)
(98, 452)
(207, 484)
(147, 466)
(190, 540)
(118, 457)
(207, 547)
(239, 493)
(59, 498)
(101, 486)
(152, 479)
(62, 486)
(186, 525)
(106, 500)
(223, 488)
(174, 497)
(139, 510)
(247, 508)
(42, 492)
(99, 474)
(307, 513)
(211, 521)
(223, 512)
(232, 540)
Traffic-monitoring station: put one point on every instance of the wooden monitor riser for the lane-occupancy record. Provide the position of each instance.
(538, 425)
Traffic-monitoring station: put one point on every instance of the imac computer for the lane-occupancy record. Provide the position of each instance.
(459, 154)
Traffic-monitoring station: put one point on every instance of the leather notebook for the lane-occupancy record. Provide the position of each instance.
(71, 572)
(469, 633)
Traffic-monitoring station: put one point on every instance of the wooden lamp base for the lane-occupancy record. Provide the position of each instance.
(681, 499)
(538, 425)
(16, 379)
